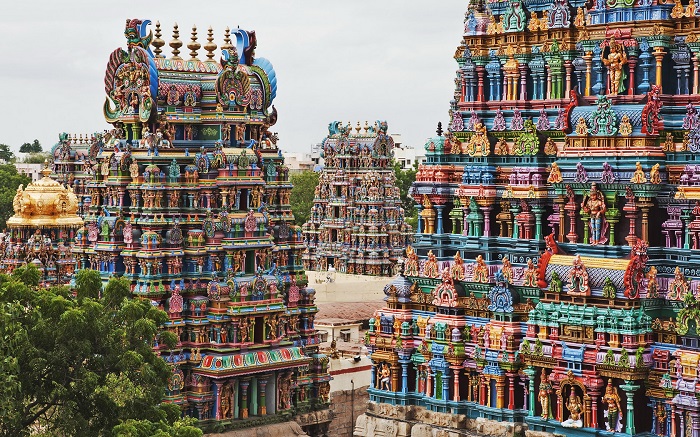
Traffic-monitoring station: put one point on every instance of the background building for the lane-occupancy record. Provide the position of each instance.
(357, 222)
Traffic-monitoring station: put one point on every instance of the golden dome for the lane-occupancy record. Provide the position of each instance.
(45, 203)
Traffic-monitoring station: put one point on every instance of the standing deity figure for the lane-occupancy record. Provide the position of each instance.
(575, 407)
(594, 204)
(543, 396)
(385, 378)
(555, 176)
(678, 287)
(614, 412)
(616, 60)
(530, 279)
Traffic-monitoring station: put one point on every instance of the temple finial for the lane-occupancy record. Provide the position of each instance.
(210, 46)
(175, 44)
(194, 45)
(158, 42)
(227, 40)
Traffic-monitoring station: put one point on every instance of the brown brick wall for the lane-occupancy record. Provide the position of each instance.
(341, 402)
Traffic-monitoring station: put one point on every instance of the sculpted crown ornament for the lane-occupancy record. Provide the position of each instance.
(45, 203)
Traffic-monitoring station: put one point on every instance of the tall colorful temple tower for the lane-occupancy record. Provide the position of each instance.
(357, 222)
(42, 231)
(552, 287)
(187, 196)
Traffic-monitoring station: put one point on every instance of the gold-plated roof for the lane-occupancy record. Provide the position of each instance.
(45, 203)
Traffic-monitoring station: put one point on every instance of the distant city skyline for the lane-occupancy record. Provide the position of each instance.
(349, 61)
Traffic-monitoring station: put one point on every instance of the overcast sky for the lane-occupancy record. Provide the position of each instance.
(351, 60)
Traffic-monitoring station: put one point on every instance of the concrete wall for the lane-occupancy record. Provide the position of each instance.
(347, 410)
(348, 288)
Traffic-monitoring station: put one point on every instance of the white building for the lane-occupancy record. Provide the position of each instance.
(31, 170)
(406, 155)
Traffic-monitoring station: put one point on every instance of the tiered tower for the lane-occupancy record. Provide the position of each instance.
(188, 197)
(42, 231)
(357, 222)
(551, 284)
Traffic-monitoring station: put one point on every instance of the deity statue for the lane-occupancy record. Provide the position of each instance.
(575, 407)
(638, 177)
(385, 377)
(652, 284)
(457, 269)
(411, 265)
(678, 288)
(481, 271)
(430, 269)
(555, 174)
(594, 204)
(625, 126)
(507, 269)
(579, 278)
(614, 412)
(530, 274)
(134, 170)
(581, 127)
(543, 396)
(615, 62)
(654, 175)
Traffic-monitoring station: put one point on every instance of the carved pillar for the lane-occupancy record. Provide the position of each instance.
(429, 382)
(372, 375)
(631, 214)
(695, 74)
(560, 208)
(455, 387)
(217, 388)
(629, 389)
(530, 372)
(523, 81)
(537, 210)
(588, 58)
(500, 391)
(572, 236)
(632, 62)
(262, 405)
(511, 391)
(482, 390)
(486, 211)
(514, 211)
(569, 69)
(404, 376)
(645, 204)
(673, 420)
(445, 385)
(480, 70)
(439, 209)
(244, 398)
(685, 217)
(419, 208)
(659, 56)
(549, 83)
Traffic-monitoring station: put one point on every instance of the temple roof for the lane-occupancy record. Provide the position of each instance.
(45, 203)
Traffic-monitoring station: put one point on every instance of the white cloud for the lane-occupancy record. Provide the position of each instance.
(348, 60)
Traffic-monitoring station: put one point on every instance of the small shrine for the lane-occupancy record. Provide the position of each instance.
(42, 231)
(187, 196)
(553, 283)
(357, 223)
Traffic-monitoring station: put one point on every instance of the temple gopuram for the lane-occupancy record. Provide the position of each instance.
(357, 223)
(187, 196)
(553, 285)
(42, 231)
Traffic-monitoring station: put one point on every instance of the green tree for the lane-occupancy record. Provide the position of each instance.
(302, 198)
(88, 284)
(83, 367)
(6, 154)
(36, 158)
(33, 147)
(9, 181)
(404, 180)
